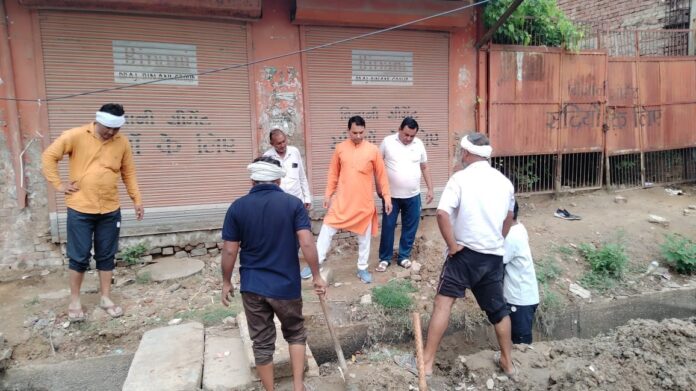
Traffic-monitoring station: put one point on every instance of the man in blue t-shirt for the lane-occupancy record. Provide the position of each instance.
(266, 225)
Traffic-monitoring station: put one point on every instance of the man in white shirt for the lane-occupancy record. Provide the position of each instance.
(295, 180)
(520, 285)
(474, 215)
(406, 160)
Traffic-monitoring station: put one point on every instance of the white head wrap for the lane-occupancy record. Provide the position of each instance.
(110, 120)
(265, 172)
(479, 150)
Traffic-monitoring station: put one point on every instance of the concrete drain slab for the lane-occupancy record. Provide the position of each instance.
(168, 358)
(171, 269)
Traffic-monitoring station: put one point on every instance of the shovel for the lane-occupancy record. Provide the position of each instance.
(337, 346)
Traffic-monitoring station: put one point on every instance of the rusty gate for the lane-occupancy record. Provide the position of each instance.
(562, 121)
(546, 111)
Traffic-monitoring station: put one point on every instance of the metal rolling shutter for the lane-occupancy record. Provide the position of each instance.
(191, 142)
(334, 96)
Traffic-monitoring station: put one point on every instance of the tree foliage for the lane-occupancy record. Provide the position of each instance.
(534, 22)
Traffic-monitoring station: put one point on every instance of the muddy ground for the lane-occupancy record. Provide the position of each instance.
(33, 303)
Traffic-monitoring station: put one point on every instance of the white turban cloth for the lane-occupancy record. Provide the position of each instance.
(265, 172)
(110, 120)
(478, 150)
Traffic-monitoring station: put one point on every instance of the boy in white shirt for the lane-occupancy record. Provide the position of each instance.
(520, 284)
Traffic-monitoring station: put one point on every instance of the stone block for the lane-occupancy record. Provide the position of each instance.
(146, 259)
(45, 247)
(181, 254)
(188, 248)
(157, 251)
(210, 244)
(167, 251)
(200, 245)
(655, 219)
(225, 365)
(214, 251)
(168, 358)
(197, 252)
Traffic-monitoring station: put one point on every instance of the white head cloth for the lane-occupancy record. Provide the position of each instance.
(479, 150)
(110, 120)
(265, 172)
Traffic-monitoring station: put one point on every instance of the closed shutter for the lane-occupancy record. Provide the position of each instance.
(383, 78)
(191, 138)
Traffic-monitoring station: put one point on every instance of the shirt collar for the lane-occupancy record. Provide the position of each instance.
(265, 187)
(91, 130)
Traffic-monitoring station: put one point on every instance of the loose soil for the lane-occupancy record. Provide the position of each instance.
(33, 303)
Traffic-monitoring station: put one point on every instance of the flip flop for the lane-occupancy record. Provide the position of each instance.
(382, 267)
(405, 263)
(76, 315)
(113, 310)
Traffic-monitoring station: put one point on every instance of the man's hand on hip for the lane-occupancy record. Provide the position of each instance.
(319, 286)
(69, 188)
(139, 212)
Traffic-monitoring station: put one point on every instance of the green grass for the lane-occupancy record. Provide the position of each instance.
(131, 255)
(550, 302)
(395, 294)
(550, 306)
(608, 264)
(210, 315)
(547, 270)
(143, 278)
(680, 253)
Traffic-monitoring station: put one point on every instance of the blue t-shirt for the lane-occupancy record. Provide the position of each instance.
(265, 222)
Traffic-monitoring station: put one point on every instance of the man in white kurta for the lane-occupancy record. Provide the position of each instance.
(295, 180)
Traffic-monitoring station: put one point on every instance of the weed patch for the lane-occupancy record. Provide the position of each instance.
(131, 255)
(143, 278)
(394, 295)
(210, 315)
(607, 265)
(680, 253)
(547, 270)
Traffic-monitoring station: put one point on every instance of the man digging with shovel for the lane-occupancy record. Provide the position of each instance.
(266, 225)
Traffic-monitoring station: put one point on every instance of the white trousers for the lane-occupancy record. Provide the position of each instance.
(324, 242)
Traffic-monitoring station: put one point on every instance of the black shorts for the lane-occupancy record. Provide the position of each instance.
(521, 321)
(483, 274)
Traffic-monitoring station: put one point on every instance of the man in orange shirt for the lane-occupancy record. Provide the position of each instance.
(350, 195)
(99, 156)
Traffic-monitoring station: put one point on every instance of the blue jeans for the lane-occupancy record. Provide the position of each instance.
(410, 209)
(85, 229)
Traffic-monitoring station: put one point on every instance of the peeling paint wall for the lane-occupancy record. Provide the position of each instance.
(278, 83)
(280, 95)
(24, 238)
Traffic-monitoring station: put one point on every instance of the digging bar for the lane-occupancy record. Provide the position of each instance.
(422, 384)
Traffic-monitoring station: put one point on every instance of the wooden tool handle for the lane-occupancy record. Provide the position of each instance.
(422, 385)
(337, 345)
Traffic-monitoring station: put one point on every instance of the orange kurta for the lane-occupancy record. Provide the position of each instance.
(350, 186)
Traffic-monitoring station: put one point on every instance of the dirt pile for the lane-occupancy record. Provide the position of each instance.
(643, 355)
